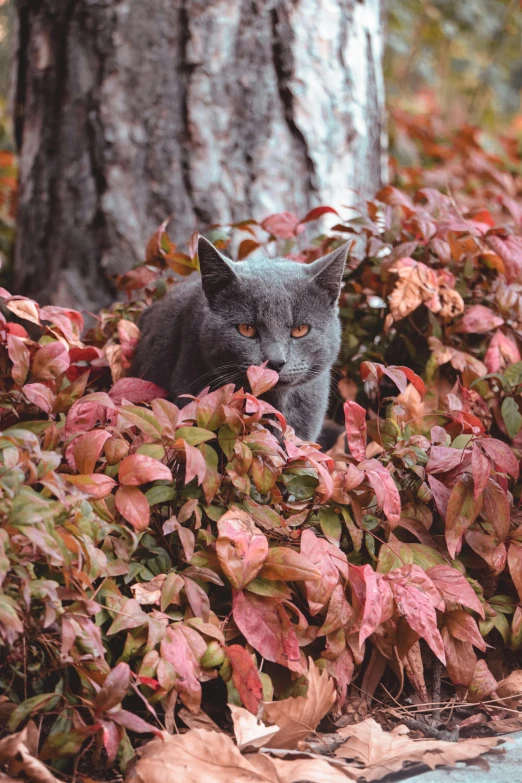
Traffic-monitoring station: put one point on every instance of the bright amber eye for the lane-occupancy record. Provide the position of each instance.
(300, 331)
(247, 330)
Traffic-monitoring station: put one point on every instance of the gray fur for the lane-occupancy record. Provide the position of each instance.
(189, 340)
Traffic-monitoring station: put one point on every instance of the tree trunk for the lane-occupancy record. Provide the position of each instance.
(127, 111)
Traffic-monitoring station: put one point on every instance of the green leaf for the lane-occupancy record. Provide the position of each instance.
(330, 525)
(511, 416)
(194, 435)
(513, 373)
(29, 706)
(160, 494)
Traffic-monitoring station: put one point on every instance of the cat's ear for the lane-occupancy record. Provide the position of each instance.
(327, 272)
(216, 269)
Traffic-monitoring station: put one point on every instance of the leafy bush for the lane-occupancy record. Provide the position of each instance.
(152, 556)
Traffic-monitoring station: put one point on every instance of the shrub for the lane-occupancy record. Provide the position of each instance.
(152, 556)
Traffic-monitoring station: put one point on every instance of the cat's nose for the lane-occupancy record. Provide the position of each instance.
(276, 364)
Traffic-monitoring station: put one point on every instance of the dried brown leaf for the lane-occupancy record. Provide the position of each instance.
(383, 753)
(248, 730)
(511, 686)
(208, 757)
(298, 716)
(16, 755)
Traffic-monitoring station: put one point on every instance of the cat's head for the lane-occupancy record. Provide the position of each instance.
(271, 309)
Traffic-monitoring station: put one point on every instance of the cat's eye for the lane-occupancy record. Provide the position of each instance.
(247, 330)
(300, 331)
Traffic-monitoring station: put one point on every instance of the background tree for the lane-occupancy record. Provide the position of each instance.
(127, 111)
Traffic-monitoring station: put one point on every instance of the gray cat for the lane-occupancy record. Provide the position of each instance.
(209, 329)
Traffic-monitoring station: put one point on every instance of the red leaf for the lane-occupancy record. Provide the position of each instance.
(114, 688)
(128, 720)
(355, 424)
(454, 587)
(463, 509)
(386, 492)
(478, 319)
(329, 561)
(261, 379)
(135, 390)
(87, 449)
(368, 588)
(182, 648)
(318, 212)
(460, 659)
(413, 378)
(501, 456)
(502, 350)
(196, 596)
(139, 469)
(95, 484)
(414, 595)
(443, 458)
(266, 626)
(50, 361)
(397, 376)
(133, 506)
(20, 356)
(510, 251)
(246, 247)
(195, 465)
(497, 510)
(481, 469)
(461, 625)
(441, 495)
(514, 559)
(245, 677)
(39, 395)
(241, 548)
(70, 322)
(283, 225)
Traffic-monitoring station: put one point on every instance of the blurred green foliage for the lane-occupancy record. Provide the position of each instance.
(460, 59)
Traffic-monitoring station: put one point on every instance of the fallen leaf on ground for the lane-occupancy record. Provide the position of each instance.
(17, 755)
(198, 720)
(505, 725)
(248, 731)
(208, 757)
(299, 716)
(511, 686)
(382, 753)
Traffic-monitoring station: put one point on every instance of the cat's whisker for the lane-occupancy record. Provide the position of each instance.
(206, 378)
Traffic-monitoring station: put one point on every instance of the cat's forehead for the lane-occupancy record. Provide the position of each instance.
(272, 272)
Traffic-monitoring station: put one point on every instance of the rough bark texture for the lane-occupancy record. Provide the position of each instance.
(127, 111)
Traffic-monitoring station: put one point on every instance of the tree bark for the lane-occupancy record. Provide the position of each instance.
(127, 111)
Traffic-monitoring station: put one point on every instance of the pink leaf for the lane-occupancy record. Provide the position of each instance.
(39, 395)
(50, 361)
(386, 492)
(355, 424)
(261, 379)
(135, 390)
(20, 356)
(283, 225)
(95, 484)
(502, 350)
(140, 469)
(266, 626)
(481, 470)
(478, 319)
(501, 455)
(195, 464)
(133, 506)
(454, 587)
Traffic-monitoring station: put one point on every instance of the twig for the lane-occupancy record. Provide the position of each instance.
(435, 692)
(431, 731)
